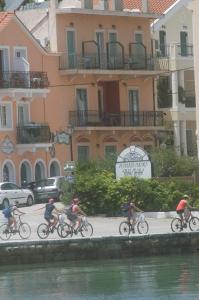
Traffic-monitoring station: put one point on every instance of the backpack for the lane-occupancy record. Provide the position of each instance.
(68, 210)
(6, 212)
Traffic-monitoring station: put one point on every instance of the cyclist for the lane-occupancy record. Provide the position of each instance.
(9, 213)
(48, 214)
(75, 212)
(131, 212)
(183, 204)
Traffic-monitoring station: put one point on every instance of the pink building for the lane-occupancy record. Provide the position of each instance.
(94, 81)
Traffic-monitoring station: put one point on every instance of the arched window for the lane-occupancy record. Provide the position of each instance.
(39, 171)
(54, 169)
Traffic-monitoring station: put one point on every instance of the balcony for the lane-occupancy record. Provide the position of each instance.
(23, 80)
(33, 133)
(121, 119)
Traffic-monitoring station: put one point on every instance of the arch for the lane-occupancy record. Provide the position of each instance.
(54, 168)
(8, 171)
(25, 172)
(135, 139)
(40, 170)
(82, 139)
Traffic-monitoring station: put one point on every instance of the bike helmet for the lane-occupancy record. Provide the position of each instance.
(16, 203)
(185, 196)
(51, 201)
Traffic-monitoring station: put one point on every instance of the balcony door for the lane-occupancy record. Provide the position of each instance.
(134, 107)
(100, 41)
(20, 62)
(82, 106)
(112, 50)
(184, 43)
(23, 113)
(162, 39)
(71, 48)
(4, 63)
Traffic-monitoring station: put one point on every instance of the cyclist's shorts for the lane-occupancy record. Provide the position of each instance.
(181, 211)
(49, 218)
(72, 217)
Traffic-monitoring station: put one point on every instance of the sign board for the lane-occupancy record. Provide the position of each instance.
(69, 166)
(62, 138)
(133, 161)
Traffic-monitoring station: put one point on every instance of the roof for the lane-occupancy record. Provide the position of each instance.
(12, 5)
(155, 6)
(5, 18)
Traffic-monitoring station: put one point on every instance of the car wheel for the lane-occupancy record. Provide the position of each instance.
(29, 201)
(5, 203)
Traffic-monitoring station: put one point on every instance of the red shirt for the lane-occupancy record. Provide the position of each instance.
(181, 205)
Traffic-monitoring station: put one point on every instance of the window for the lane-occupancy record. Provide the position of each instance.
(83, 153)
(110, 151)
(5, 115)
(162, 39)
(71, 48)
(134, 107)
(183, 43)
(23, 115)
(88, 4)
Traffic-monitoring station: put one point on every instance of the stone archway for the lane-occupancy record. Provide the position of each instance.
(25, 173)
(8, 172)
(54, 169)
(39, 171)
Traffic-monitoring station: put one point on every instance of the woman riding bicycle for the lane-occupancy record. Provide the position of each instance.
(182, 206)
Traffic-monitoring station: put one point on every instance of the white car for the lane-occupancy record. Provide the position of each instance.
(10, 192)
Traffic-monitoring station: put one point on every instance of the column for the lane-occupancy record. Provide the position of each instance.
(176, 126)
(174, 84)
(184, 137)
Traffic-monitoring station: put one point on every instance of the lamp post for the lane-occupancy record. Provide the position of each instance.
(70, 130)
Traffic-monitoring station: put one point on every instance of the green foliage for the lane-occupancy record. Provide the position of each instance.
(101, 193)
(167, 163)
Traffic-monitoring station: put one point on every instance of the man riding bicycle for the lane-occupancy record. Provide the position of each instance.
(9, 213)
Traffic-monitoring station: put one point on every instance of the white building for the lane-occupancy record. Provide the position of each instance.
(173, 42)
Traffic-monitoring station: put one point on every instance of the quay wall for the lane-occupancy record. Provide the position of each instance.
(116, 247)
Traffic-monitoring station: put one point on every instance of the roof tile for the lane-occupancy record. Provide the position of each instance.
(5, 18)
(155, 6)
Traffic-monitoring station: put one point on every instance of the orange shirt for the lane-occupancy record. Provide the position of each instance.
(181, 205)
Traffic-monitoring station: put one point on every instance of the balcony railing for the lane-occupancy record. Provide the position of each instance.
(185, 49)
(33, 133)
(121, 119)
(117, 62)
(24, 80)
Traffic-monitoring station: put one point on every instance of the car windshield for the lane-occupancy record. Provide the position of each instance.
(50, 182)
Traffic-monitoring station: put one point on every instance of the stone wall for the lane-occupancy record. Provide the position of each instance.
(98, 248)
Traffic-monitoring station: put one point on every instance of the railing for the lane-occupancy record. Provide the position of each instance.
(32, 133)
(25, 80)
(185, 49)
(121, 119)
(116, 62)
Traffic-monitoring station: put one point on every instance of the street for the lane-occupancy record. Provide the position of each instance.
(102, 226)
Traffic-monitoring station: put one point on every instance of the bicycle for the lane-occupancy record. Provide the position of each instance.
(177, 225)
(84, 228)
(43, 230)
(126, 227)
(23, 229)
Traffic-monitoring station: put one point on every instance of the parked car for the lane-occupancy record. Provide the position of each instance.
(10, 192)
(45, 189)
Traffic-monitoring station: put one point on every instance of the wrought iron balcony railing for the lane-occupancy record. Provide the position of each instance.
(33, 133)
(121, 119)
(114, 62)
(25, 80)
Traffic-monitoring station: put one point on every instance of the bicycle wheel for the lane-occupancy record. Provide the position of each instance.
(194, 224)
(143, 227)
(124, 228)
(86, 230)
(64, 230)
(43, 231)
(176, 225)
(24, 230)
(5, 234)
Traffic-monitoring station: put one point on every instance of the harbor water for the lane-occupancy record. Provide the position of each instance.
(162, 277)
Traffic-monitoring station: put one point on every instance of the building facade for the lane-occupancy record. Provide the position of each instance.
(173, 42)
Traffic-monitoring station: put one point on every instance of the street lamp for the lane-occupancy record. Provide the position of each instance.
(70, 130)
